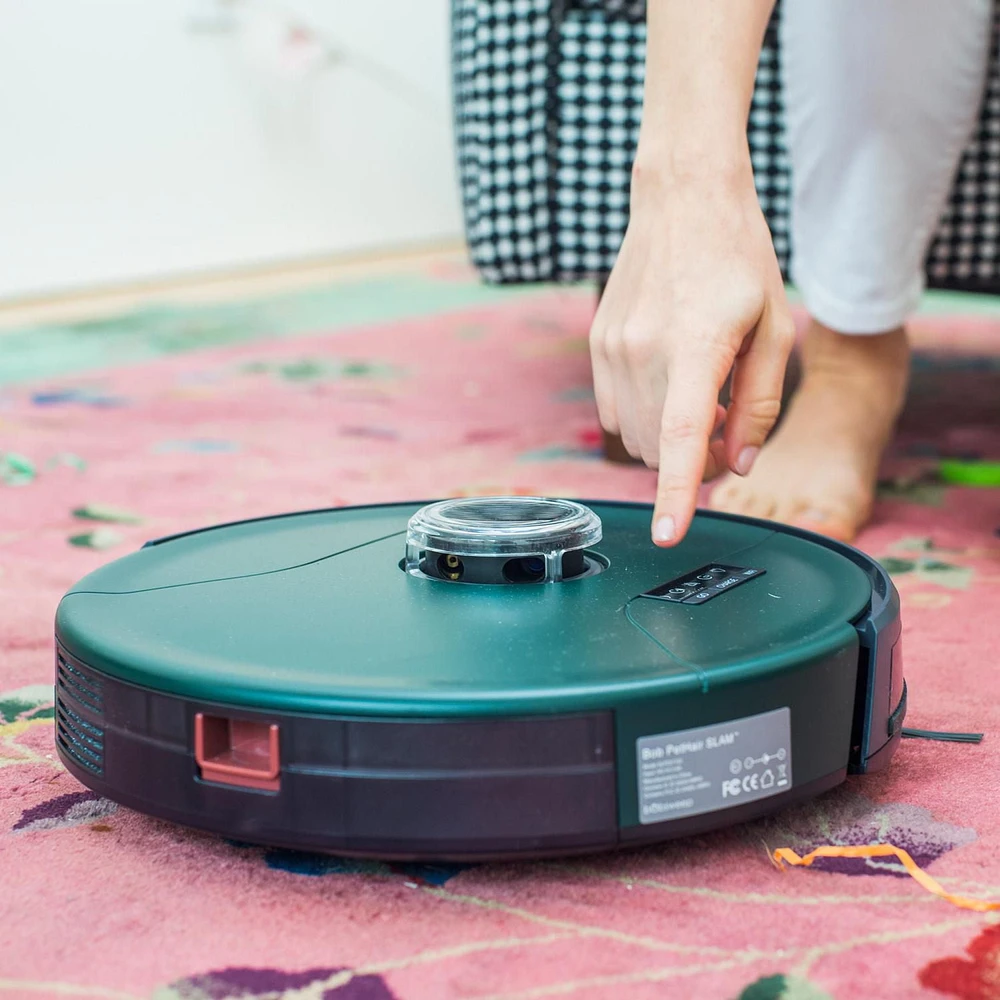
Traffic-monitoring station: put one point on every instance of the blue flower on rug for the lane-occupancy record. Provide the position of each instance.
(576, 394)
(305, 863)
(58, 397)
(256, 984)
(430, 874)
(315, 865)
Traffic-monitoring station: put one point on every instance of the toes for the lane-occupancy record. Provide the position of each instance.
(735, 496)
(726, 496)
(759, 505)
(838, 525)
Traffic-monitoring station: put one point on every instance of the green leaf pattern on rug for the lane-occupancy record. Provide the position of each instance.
(16, 470)
(312, 369)
(99, 538)
(106, 513)
(298, 371)
(926, 490)
(925, 564)
(782, 987)
(32, 702)
(930, 486)
(68, 459)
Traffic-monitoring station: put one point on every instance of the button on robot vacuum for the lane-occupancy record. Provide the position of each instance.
(700, 597)
(707, 582)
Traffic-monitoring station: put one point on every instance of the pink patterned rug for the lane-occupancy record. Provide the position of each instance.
(481, 393)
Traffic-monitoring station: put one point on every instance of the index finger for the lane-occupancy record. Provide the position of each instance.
(689, 414)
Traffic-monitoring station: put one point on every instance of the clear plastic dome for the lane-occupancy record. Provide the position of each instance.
(511, 526)
(502, 539)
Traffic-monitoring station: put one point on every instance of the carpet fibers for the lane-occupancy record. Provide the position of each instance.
(115, 431)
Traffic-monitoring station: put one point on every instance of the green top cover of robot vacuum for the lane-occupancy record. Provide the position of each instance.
(489, 612)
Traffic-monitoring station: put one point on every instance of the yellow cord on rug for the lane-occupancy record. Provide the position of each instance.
(786, 854)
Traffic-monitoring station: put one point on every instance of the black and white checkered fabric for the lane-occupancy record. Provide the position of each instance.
(548, 96)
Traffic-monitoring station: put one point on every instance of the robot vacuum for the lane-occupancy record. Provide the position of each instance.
(477, 678)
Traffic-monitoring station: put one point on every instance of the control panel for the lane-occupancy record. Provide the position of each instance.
(703, 584)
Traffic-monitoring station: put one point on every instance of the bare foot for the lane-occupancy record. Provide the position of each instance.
(819, 470)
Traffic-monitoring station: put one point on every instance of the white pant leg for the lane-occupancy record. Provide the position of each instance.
(881, 99)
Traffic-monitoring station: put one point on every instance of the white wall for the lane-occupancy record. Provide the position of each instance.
(137, 143)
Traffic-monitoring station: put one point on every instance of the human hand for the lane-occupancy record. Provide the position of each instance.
(696, 292)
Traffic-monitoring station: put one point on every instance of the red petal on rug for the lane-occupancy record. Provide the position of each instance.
(976, 978)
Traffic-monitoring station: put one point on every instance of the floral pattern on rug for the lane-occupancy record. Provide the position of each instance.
(118, 431)
(845, 818)
(264, 984)
(972, 978)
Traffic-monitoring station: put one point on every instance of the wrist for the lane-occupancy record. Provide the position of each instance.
(661, 170)
(684, 142)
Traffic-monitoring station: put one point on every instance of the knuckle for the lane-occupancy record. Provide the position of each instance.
(763, 411)
(681, 427)
(650, 453)
(638, 344)
(671, 488)
(784, 331)
(640, 353)
(606, 415)
(611, 343)
(599, 342)
(712, 355)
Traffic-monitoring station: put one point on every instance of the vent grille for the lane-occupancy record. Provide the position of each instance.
(81, 687)
(80, 739)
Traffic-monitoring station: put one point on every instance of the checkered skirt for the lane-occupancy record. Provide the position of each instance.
(547, 101)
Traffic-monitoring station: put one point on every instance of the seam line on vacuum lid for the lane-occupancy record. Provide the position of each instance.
(699, 672)
(693, 667)
(241, 576)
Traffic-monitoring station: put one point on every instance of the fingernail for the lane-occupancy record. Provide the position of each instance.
(664, 529)
(745, 460)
